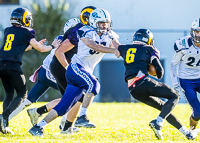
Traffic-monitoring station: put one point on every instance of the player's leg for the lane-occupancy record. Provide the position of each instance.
(9, 90)
(82, 120)
(83, 79)
(19, 84)
(42, 85)
(159, 104)
(191, 87)
(59, 74)
(34, 94)
(71, 96)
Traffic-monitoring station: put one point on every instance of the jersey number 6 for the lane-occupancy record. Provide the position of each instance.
(130, 55)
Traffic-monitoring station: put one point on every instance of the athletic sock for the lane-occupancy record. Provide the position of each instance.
(42, 110)
(184, 130)
(64, 117)
(67, 125)
(159, 121)
(83, 111)
(42, 124)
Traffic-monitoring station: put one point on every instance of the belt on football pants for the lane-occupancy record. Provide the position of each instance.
(135, 79)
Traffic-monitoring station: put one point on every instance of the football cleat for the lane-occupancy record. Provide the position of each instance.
(36, 131)
(62, 124)
(9, 131)
(34, 116)
(193, 134)
(157, 129)
(83, 121)
(70, 130)
(3, 124)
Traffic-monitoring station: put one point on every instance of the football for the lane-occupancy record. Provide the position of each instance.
(152, 70)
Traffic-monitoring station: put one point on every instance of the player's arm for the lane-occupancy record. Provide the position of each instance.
(40, 47)
(115, 44)
(29, 48)
(60, 52)
(99, 48)
(173, 68)
(159, 69)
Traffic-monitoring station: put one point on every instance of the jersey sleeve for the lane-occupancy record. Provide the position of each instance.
(173, 67)
(71, 34)
(182, 44)
(113, 35)
(85, 32)
(154, 52)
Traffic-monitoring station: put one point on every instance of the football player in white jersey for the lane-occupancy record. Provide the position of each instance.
(94, 42)
(187, 62)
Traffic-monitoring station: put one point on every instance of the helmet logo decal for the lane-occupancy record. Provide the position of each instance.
(95, 15)
(24, 19)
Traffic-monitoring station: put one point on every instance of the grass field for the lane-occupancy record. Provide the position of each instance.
(116, 122)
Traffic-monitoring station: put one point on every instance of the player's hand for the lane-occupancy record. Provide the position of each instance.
(56, 43)
(178, 88)
(117, 53)
(42, 41)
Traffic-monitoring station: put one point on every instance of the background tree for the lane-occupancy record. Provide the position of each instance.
(49, 18)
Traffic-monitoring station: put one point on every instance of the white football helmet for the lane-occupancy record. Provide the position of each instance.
(100, 15)
(195, 27)
(70, 23)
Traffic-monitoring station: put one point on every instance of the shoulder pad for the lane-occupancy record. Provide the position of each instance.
(114, 34)
(183, 43)
(84, 30)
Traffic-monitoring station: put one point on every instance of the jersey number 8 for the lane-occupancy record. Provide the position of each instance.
(9, 40)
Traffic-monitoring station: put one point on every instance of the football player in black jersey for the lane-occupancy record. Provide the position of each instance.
(17, 39)
(137, 57)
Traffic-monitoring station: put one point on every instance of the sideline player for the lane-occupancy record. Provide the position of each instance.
(137, 57)
(16, 40)
(93, 44)
(187, 61)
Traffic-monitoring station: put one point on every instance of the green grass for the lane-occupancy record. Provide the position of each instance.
(116, 122)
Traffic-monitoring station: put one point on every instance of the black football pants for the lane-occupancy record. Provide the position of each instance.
(13, 80)
(149, 91)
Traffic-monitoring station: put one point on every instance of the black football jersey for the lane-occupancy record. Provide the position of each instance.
(16, 40)
(71, 34)
(137, 57)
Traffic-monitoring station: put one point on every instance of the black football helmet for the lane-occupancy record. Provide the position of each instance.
(144, 35)
(21, 16)
(85, 14)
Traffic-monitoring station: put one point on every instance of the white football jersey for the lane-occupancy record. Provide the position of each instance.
(48, 59)
(87, 57)
(187, 57)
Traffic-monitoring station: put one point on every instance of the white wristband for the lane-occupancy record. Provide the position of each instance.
(66, 67)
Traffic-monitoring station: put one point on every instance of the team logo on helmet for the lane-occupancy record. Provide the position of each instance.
(95, 16)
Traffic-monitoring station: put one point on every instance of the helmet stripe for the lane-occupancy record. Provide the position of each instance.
(104, 13)
(24, 19)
